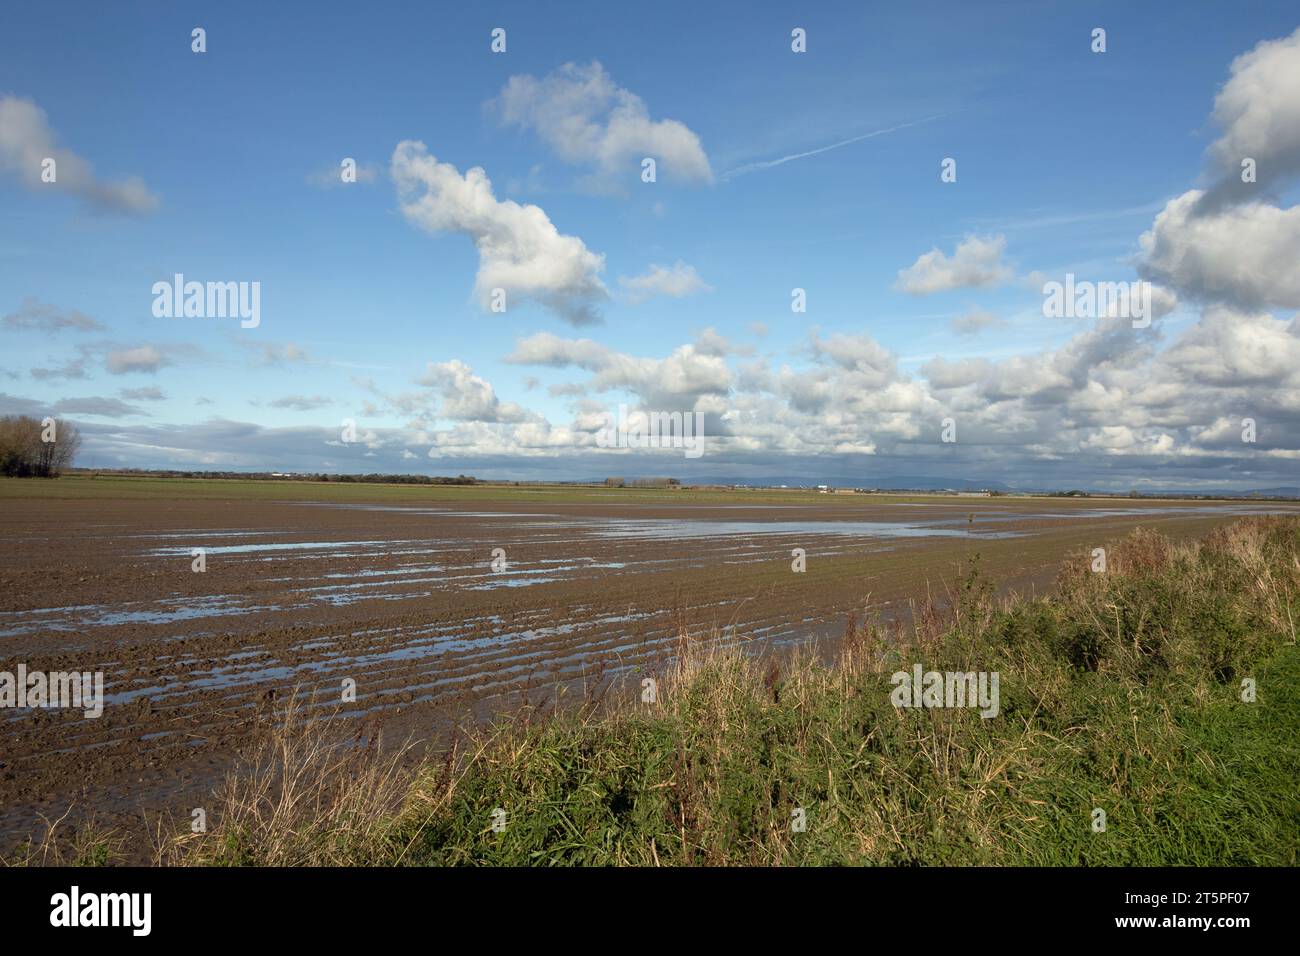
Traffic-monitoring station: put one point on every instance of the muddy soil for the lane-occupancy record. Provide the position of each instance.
(444, 615)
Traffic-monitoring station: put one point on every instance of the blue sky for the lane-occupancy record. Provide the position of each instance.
(371, 310)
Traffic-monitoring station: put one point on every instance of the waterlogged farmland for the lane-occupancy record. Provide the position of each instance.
(444, 609)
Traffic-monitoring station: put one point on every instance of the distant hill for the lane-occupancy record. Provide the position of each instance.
(927, 483)
(933, 483)
(889, 483)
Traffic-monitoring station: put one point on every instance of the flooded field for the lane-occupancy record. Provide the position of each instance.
(445, 609)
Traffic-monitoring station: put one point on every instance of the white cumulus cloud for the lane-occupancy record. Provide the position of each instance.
(588, 119)
(467, 397)
(1246, 255)
(520, 250)
(1258, 110)
(676, 282)
(976, 263)
(27, 141)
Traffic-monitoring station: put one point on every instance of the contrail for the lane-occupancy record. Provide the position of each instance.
(768, 164)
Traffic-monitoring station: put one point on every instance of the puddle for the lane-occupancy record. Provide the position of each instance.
(278, 546)
(676, 528)
(104, 615)
(438, 512)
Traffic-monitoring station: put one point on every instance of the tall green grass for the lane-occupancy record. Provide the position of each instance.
(1120, 692)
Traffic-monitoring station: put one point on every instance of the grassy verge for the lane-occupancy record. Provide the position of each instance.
(1122, 692)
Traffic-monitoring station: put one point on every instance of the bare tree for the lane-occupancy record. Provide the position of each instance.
(32, 448)
(67, 447)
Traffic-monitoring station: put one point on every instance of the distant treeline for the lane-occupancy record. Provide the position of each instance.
(399, 479)
(290, 476)
(642, 482)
